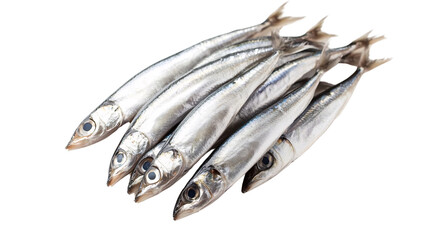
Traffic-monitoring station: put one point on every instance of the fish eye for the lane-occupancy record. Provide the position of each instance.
(192, 193)
(266, 162)
(144, 165)
(120, 158)
(87, 127)
(153, 175)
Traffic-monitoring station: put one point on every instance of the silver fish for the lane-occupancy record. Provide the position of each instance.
(201, 128)
(168, 108)
(314, 37)
(306, 129)
(278, 83)
(284, 77)
(145, 162)
(124, 103)
(233, 158)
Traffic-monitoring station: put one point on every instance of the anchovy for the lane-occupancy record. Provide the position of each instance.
(232, 159)
(314, 37)
(124, 103)
(306, 129)
(170, 106)
(278, 83)
(145, 162)
(272, 89)
(201, 128)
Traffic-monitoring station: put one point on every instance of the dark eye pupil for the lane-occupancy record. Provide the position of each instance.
(151, 175)
(87, 126)
(191, 193)
(265, 160)
(119, 157)
(146, 165)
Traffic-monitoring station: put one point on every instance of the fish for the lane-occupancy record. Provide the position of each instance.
(240, 152)
(269, 91)
(121, 107)
(309, 126)
(277, 84)
(314, 37)
(170, 106)
(201, 128)
(145, 162)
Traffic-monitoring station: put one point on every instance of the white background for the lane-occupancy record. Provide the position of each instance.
(364, 179)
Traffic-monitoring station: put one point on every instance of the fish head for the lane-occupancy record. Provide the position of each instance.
(164, 171)
(97, 126)
(131, 148)
(204, 188)
(272, 163)
(138, 173)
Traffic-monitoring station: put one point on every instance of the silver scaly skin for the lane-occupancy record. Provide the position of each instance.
(124, 103)
(232, 159)
(305, 130)
(314, 37)
(170, 106)
(285, 76)
(201, 128)
(144, 163)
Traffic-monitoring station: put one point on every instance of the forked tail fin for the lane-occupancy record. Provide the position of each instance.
(362, 59)
(275, 22)
(365, 42)
(316, 35)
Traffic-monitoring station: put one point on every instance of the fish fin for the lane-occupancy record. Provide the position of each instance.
(366, 42)
(275, 22)
(325, 62)
(362, 59)
(371, 64)
(316, 35)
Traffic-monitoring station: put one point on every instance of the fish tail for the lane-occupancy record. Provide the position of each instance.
(315, 34)
(365, 42)
(362, 59)
(326, 62)
(275, 22)
(360, 55)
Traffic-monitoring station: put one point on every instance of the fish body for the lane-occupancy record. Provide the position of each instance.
(280, 81)
(305, 130)
(124, 103)
(240, 151)
(145, 162)
(170, 106)
(314, 38)
(202, 127)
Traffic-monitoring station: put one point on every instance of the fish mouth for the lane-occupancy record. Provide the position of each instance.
(77, 142)
(114, 177)
(134, 184)
(181, 212)
(251, 179)
(146, 192)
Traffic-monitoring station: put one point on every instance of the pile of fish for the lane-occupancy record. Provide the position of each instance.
(253, 97)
